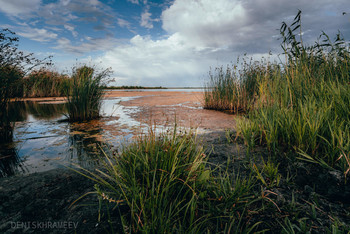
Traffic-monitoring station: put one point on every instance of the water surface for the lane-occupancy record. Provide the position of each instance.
(43, 140)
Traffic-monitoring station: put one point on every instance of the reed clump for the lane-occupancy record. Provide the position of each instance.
(301, 105)
(161, 184)
(85, 93)
(45, 83)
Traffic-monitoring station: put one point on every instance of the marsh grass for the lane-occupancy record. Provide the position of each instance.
(301, 105)
(161, 184)
(166, 184)
(9, 77)
(85, 93)
(158, 179)
(14, 64)
(45, 83)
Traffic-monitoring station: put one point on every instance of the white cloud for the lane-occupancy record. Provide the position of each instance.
(123, 23)
(248, 26)
(19, 7)
(198, 33)
(138, 1)
(204, 33)
(36, 34)
(90, 44)
(71, 29)
(168, 62)
(204, 22)
(146, 20)
(65, 2)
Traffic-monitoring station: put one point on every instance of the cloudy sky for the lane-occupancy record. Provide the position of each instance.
(167, 43)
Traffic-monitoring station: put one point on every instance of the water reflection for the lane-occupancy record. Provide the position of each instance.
(10, 162)
(84, 147)
(22, 111)
(42, 141)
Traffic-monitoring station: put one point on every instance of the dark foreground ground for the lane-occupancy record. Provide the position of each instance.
(41, 202)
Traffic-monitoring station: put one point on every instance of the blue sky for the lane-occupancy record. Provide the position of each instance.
(167, 43)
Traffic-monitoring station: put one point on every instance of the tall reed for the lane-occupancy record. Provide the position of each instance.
(9, 77)
(301, 105)
(85, 94)
(45, 83)
(14, 64)
(236, 90)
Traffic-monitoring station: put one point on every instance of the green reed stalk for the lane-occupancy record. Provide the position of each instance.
(85, 94)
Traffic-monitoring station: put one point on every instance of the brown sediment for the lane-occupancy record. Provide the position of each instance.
(162, 107)
(43, 100)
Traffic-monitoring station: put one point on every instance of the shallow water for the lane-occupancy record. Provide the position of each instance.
(162, 90)
(43, 140)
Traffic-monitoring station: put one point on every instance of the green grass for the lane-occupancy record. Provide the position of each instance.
(234, 90)
(166, 184)
(161, 184)
(85, 94)
(45, 83)
(301, 105)
(158, 180)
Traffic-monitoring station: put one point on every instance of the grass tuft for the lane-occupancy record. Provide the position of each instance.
(85, 93)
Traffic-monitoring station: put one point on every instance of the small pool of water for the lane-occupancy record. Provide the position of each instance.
(42, 140)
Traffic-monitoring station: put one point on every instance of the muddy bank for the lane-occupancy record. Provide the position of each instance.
(40, 203)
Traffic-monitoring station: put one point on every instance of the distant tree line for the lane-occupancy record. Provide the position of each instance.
(133, 87)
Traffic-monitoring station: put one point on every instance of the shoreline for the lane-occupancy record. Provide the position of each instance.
(108, 94)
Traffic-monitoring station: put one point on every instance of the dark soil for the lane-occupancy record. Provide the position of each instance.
(36, 203)
(302, 186)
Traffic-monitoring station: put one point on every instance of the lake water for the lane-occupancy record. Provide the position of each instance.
(43, 140)
(163, 90)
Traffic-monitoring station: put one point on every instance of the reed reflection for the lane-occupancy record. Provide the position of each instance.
(10, 162)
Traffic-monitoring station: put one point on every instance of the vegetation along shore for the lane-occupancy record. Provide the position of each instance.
(282, 167)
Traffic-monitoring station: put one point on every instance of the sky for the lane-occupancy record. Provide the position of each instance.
(169, 43)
